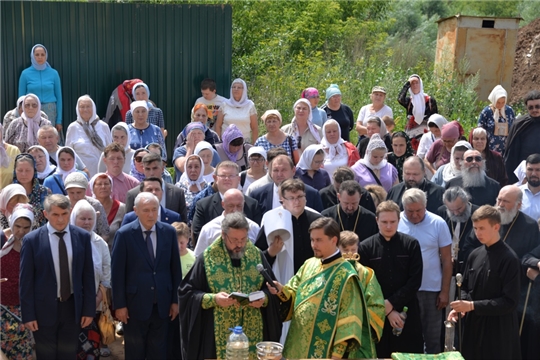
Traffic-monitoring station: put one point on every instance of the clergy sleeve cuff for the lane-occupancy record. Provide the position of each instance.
(208, 301)
(285, 294)
(339, 350)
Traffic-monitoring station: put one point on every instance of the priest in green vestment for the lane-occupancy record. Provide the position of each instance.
(328, 312)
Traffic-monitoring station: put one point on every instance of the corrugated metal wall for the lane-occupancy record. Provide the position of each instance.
(96, 46)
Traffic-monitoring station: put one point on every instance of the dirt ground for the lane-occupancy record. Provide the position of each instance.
(526, 74)
(117, 349)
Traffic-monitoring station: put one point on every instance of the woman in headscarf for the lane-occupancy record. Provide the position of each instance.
(192, 181)
(435, 125)
(309, 168)
(88, 135)
(338, 111)
(22, 132)
(447, 172)
(8, 153)
(41, 79)
(275, 137)
(137, 169)
(43, 166)
(419, 106)
(495, 168)
(141, 92)
(257, 167)
(319, 116)
(201, 114)
(16, 340)
(205, 151)
(402, 149)
(497, 118)
(142, 133)
(25, 173)
(301, 127)
(101, 186)
(233, 147)
(84, 216)
(338, 151)
(238, 110)
(374, 168)
(374, 125)
(10, 196)
(120, 134)
(17, 112)
(66, 166)
(439, 153)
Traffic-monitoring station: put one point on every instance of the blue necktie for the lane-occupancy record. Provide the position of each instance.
(149, 245)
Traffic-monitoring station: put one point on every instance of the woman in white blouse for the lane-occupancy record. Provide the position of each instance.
(88, 136)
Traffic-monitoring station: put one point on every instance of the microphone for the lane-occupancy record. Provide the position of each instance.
(266, 276)
(459, 279)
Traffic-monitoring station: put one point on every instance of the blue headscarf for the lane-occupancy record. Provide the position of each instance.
(34, 62)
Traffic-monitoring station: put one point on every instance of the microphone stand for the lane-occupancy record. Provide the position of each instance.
(458, 283)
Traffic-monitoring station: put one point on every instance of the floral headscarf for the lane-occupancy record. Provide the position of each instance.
(199, 182)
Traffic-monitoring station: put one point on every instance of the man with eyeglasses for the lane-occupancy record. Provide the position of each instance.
(522, 138)
(473, 179)
(208, 311)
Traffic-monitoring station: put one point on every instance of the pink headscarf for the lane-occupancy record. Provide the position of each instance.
(231, 133)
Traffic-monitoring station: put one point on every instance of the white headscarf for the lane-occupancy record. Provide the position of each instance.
(93, 180)
(450, 171)
(122, 126)
(497, 93)
(185, 177)
(374, 143)
(418, 102)
(49, 168)
(202, 145)
(82, 205)
(307, 156)
(438, 120)
(7, 194)
(244, 101)
(336, 149)
(32, 123)
(19, 211)
(59, 170)
(312, 128)
(5, 160)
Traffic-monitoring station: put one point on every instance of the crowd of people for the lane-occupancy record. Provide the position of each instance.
(375, 229)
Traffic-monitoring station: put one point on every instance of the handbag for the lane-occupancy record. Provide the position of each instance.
(106, 321)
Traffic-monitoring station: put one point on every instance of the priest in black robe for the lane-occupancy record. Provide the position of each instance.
(532, 262)
(396, 259)
(490, 293)
(351, 216)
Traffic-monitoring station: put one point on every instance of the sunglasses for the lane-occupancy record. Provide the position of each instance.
(531, 107)
(138, 158)
(470, 159)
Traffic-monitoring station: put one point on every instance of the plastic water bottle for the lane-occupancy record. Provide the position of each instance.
(237, 345)
(403, 314)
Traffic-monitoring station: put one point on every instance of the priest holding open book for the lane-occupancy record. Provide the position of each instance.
(221, 292)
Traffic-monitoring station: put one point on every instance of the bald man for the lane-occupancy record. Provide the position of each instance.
(233, 201)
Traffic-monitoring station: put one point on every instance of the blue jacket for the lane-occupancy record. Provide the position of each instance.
(45, 84)
(265, 196)
(56, 184)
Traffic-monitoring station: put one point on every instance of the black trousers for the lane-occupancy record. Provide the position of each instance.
(146, 339)
(59, 341)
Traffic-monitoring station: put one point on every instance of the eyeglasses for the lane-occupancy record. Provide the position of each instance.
(295, 199)
(28, 106)
(470, 159)
(138, 158)
(227, 177)
(252, 160)
(531, 107)
(236, 241)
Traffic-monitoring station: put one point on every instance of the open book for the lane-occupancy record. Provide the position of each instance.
(245, 299)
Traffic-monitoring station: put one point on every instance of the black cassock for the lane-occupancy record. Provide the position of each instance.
(492, 280)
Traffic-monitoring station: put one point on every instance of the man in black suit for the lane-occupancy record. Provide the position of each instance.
(226, 176)
(56, 287)
(146, 273)
(174, 198)
(281, 169)
(414, 177)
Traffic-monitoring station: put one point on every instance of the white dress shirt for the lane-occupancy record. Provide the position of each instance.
(54, 241)
(530, 204)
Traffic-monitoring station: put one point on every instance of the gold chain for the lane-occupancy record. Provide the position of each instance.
(341, 222)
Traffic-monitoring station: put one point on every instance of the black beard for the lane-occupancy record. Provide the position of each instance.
(533, 183)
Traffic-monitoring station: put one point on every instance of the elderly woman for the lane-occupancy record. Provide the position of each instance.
(22, 132)
(447, 172)
(233, 147)
(137, 168)
(66, 166)
(495, 168)
(141, 132)
(374, 125)
(17, 112)
(402, 149)
(141, 92)
(419, 106)
(301, 128)
(338, 151)
(88, 135)
(25, 173)
(319, 116)
(120, 135)
(376, 108)
(497, 118)
(309, 168)
(374, 168)
(439, 153)
(275, 137)
(16, 340)
(41, 79)
(435, 125)
(10, 196)
(205, 151)
(238, 110)
(257, 169)
(338, 111)
(8, 153)
(43, 166)
(101, 186)
(84, 216)
(199, 113)
(192, 180)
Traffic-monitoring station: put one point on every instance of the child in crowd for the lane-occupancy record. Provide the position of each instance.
(348, 242)
(390, 124)
(212, 100)
(187, 256)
